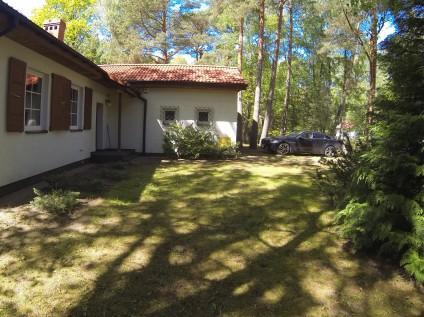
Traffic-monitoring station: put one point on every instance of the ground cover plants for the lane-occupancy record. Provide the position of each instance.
(245, 237)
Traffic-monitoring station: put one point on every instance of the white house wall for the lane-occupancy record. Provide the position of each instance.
(222, 102)
(131, 123)
(24, 155)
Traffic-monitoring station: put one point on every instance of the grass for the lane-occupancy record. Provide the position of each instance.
(250, 237)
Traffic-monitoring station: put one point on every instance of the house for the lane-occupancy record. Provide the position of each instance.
(57, 107)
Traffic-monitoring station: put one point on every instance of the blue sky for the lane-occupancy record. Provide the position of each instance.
(25, 6)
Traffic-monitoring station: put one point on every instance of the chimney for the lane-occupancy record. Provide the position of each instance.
(55, 27)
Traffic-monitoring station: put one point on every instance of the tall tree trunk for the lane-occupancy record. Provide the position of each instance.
(373, 66)
(348, 69)
(239, 136)
(256, 106)
(371, 53)
(270, 98)
(289, 71)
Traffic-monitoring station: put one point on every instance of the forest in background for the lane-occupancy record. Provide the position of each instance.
(317, 58)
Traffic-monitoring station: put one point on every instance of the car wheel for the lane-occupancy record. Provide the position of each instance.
(283, 149)
(330, 151)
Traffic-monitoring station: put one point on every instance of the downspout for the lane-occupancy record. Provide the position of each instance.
(8, 28)
(144, 125)
(138, 94)
(119, 119)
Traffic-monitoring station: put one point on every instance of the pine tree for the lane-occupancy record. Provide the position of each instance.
(386, 211)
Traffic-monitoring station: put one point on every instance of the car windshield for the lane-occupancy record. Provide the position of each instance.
(294, 133)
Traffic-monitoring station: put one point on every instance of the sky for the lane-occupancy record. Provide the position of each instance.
(25, 6)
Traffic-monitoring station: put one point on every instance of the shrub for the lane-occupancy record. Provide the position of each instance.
(335, 179)
(193, 143)
(57, 201)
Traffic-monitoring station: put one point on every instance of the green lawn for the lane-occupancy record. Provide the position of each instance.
(250, 237)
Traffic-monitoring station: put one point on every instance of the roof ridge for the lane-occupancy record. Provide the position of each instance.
(170, 65)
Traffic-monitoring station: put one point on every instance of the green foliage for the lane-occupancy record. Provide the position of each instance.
(192, 142)
(77, 15)
(386, 206)
(57, 201)
(335, 179)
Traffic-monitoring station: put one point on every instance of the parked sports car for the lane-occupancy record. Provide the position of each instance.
(302, 142)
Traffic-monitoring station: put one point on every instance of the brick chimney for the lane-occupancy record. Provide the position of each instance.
(55, 27)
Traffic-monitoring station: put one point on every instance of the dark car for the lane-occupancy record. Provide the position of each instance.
(302, 142)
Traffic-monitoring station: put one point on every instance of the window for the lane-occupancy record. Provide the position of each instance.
(204, 115)
(169, 115)
(306, 135)
(34, 100)
(318, 135)
(76, 102)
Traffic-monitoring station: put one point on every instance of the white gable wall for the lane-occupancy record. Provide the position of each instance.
(223, 103)
(24, 155)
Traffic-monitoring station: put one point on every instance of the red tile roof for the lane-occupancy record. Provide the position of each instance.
(164, 75)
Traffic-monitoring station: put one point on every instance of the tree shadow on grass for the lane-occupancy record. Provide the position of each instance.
(196, 238)
(207, 271)
(251, 259)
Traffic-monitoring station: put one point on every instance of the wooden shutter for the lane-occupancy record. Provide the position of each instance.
(16, 95)
(60, 112)
(88, 107)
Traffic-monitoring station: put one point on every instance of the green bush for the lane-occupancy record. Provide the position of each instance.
(57, 201)
(193, 143)
(335, 178)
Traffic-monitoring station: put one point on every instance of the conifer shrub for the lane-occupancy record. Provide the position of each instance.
(382, 202)
(335, 179)
(57, 201)
(193, 143)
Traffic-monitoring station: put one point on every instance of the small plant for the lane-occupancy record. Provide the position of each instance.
(57, 201)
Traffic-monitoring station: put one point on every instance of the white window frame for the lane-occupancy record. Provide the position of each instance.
(43, 103)
(78, 126)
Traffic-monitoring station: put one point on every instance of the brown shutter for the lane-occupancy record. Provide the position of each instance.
(16, 95)
(60, 112)
(88, 107)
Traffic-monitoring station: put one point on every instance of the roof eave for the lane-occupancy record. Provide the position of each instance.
(188, 84)
(31, 36)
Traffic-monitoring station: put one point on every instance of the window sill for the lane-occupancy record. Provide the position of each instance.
(36, 131)
(75, 130)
